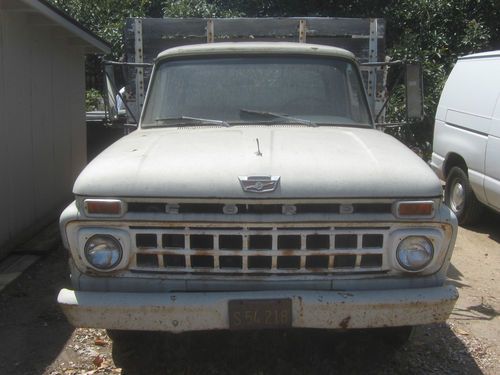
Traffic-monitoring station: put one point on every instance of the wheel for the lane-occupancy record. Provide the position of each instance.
(458, 195)
(136, 351)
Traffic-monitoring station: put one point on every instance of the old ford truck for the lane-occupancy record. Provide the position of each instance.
(257, 193)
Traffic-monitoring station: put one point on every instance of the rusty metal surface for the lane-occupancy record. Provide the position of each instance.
(441, 235)
(178, 312)
(274, 252)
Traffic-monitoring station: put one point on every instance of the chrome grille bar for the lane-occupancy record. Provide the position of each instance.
(253, 249)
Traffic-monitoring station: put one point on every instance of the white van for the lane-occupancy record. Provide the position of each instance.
(466, 151)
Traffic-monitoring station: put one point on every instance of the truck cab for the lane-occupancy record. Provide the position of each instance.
(257, 193)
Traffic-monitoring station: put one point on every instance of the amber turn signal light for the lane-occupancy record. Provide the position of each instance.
(424, 209)
(103, 207)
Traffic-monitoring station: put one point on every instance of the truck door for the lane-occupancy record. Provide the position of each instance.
(492, 162)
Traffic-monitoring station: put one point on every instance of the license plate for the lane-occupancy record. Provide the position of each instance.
(263, 313)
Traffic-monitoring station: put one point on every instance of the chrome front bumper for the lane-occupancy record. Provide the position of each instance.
(180, 312)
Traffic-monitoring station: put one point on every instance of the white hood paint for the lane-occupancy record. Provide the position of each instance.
(205, 162)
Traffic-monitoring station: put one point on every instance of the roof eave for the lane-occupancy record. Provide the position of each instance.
(96, 44)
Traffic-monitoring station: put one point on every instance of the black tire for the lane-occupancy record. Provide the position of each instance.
(136, 352)
(467, 208)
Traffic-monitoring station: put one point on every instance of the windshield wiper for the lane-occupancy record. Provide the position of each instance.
(279, 115)
(194, 119)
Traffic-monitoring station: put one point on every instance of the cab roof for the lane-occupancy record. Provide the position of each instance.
(255, 48)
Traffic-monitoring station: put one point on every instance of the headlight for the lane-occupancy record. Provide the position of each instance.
(414, 253)
(103, 252)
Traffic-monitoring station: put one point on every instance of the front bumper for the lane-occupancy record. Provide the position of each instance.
(179, 312)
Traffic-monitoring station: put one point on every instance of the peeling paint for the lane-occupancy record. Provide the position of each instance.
(208, 311)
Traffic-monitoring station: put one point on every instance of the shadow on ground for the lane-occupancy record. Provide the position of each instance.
(33, 330)
(455, 277)
(489, 224)
(433, 349)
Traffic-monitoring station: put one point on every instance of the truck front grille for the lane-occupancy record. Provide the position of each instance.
(259, 249)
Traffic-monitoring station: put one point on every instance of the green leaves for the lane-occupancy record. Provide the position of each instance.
(93, 100)
(106, 18)
(436, 33)
(196, 8)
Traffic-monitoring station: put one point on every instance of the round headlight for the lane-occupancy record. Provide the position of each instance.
(103, 252)
(414, 253)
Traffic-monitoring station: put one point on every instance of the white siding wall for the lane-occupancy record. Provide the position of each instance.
(42, 121)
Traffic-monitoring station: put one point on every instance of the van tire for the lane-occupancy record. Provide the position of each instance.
(459, 196)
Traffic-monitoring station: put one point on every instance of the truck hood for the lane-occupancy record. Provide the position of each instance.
(205, 162)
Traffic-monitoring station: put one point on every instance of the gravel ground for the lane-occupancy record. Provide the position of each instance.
(35, 338)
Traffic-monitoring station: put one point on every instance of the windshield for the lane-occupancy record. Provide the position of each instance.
(256, 89)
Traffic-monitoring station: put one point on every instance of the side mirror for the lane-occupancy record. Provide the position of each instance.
(414, 91)
(116, 104)
(111, 92)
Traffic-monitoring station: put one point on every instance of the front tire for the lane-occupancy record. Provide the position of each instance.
(458, 195)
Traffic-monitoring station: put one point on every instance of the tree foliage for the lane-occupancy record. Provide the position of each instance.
(197, 8)
(93, 99)
(106, 17)
(436, 33)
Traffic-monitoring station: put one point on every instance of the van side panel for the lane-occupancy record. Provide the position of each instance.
(471, 146)
(472, 88)
(492, 165)
(464, 120)
(492, 178)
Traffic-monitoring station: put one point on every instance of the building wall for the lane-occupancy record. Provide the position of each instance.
(42, 122)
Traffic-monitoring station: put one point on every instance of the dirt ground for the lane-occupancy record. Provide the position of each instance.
(35, 338)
